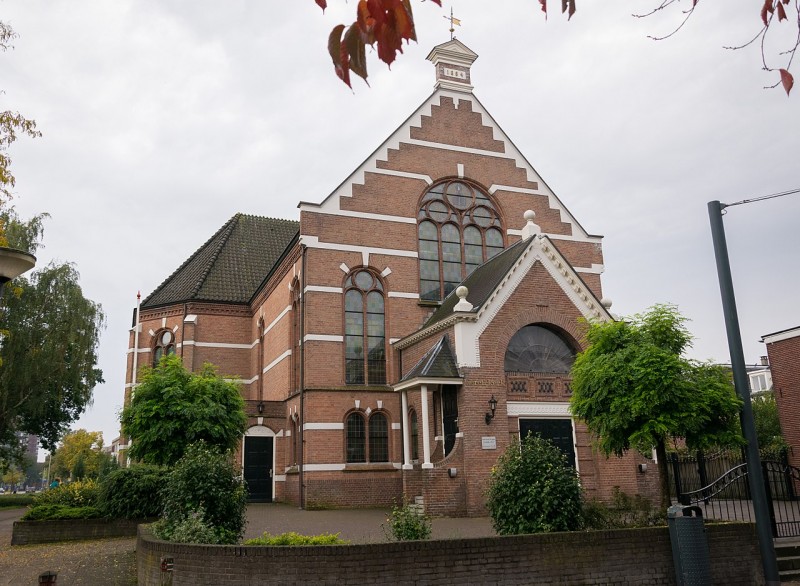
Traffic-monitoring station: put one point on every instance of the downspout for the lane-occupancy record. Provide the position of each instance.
(183, 332)
(301, 424)
(136, 328)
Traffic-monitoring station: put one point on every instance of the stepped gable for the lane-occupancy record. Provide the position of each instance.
(231, 266)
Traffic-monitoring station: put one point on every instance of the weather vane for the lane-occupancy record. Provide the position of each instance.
(454, 22)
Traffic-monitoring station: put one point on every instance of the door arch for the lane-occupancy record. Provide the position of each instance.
(258, 463)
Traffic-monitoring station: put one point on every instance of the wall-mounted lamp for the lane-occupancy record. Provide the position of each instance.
(493, 407)
(452, 472)
(261, 407)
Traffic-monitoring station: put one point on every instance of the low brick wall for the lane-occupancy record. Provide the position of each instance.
(27, 532)
(633, 556)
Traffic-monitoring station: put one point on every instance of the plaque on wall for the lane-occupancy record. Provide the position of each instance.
(489, 443)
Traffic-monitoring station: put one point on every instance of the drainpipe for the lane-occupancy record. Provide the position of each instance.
(183, 333)
(136, 328)
(301, 423)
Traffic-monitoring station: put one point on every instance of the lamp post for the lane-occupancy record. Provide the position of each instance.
(13, 263)
(754, 473)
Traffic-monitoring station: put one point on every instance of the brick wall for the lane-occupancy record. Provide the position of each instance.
(27, 532)
(784, 361)
(631, 557)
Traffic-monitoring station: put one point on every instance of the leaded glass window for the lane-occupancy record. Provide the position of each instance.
(536, 348)
(459, 229)
(355, 442)
(378, 438)
(164, 346)
(364, 334)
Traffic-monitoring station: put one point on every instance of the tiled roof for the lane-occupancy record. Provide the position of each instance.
(438, 362)
(481, 282)
(231, 266)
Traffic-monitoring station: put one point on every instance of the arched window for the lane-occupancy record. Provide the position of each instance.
(164, 346)
(535, 348)
(295, 337)
(412, 418)
(358, 430)
(459, 229)
(355, 444)
(364, 336)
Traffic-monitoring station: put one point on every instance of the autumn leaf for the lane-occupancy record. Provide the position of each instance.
(544, 7)
(781, 12)
(568, 5)
(354, 45)
(339, 54)
(322, 4)
(787, 80)
(768, 8)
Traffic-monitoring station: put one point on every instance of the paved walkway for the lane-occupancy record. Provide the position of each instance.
(357, 525)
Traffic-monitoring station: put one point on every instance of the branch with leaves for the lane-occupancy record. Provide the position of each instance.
(387, 23)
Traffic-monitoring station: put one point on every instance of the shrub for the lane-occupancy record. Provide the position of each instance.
(625, 511)
(60, 512)
(82, 493)
(194, 528)
(15, 500)
(133, 493)
(406, 524)
(292, 538)
(532, 489)
(206, 480)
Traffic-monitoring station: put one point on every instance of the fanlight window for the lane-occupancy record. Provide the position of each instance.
(459, 229)
(364, 339)
(538, 349)
(165, 345)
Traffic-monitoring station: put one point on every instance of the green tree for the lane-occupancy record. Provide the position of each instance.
(768, 424)
(13, 476)
(533, 489)
(48, 350)
(634, 389)
(11, 125)
(173, 408)
(79, 455)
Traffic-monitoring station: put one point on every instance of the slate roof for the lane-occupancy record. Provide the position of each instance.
(438, 362)
(481, 282)
(232, 265)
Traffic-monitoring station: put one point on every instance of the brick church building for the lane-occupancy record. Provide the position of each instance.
(392, 342)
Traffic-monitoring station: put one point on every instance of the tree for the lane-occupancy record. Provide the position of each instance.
(11, 124)
(534, 490)
(388, 23)
(634, 389)
(79, 455)
(173, 408)
(13, 476)
(767, 422)
(48, 351)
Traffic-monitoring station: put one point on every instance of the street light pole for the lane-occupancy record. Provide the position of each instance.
(754, 474)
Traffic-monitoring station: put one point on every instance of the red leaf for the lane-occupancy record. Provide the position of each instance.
(787, 80)
(781, 12)
(355, 49)
(767, 8)
(439, 2)
(339, 54)
(544, 7)
(322, 4)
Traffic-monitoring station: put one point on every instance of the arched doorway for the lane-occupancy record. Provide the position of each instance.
(258, 463)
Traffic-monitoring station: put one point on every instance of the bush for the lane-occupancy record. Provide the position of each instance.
(205, 480)
(60, 512)
(406, 524)
(292, 538)
(192, 529)
(15, 500)
(625, 511)
(133, 493)
(533, 489)
(82, 493)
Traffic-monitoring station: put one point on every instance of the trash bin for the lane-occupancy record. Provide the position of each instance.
(689, 546)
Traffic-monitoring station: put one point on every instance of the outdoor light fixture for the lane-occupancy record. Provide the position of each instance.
(493, 407)
(261, 407)
(13, 263)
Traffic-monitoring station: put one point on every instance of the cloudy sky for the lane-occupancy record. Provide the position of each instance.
(163, 118)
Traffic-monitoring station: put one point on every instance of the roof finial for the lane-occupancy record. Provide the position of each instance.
(530, 229)
(454, 22)
(463, 304)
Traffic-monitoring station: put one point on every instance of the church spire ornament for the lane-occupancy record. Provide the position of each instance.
(454, 22)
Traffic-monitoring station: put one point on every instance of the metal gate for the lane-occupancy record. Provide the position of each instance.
(727, 498)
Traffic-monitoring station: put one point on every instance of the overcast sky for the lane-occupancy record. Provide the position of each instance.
(163, 118)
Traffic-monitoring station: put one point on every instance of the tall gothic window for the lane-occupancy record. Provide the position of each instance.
(295, 337)
(535, 348)
(164, 346)
(364, 339)
(459, 229)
